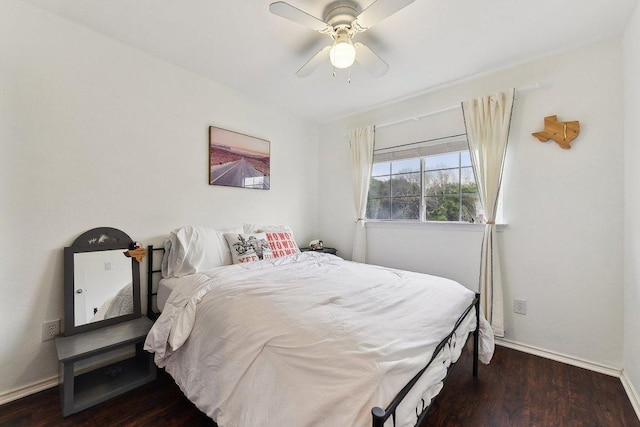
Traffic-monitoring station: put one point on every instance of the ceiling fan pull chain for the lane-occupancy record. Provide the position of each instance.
(349, 80)
(334, 72)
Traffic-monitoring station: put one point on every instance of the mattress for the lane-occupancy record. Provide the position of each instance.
(309, 340)
(165, 287)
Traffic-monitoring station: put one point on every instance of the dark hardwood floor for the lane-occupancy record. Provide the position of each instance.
(519, 389)
(516, 389)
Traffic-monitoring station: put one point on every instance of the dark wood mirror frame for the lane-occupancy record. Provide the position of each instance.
(97, 239)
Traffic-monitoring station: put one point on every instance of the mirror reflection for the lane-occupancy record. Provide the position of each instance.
(103, 286)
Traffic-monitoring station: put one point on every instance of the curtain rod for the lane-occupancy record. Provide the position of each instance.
(533, 86)
(420, 142)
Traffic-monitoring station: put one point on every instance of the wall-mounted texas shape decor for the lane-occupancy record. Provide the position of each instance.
(561, 132)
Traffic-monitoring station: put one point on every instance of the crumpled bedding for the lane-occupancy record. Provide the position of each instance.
(118, 305)
(309, 339)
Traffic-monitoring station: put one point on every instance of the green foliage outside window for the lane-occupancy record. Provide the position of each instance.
(450, 190)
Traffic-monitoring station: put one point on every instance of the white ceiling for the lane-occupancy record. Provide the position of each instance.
(429, 43)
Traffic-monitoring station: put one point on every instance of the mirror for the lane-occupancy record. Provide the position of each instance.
(102, 284)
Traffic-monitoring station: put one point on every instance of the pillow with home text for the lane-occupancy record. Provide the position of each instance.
(281, 243)
(280, 238)
(248, 247)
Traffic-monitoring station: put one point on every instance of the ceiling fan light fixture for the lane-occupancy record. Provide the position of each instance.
(342, 53)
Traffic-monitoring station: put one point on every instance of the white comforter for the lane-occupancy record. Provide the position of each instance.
(306, 340)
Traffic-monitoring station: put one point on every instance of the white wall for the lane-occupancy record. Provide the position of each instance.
(631, 47)
(562, 250)
(95, 133)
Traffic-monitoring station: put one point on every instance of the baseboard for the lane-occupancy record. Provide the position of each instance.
(28, 390)
(558, 357)
(634, 397)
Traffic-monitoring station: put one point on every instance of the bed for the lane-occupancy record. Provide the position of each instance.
(307, 339)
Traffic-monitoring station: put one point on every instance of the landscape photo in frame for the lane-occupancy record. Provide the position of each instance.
(237, 160)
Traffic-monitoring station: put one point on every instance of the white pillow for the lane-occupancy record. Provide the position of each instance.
(195, 249)
(255, 228)
(165, 258)
(248, 247)
(280, 238)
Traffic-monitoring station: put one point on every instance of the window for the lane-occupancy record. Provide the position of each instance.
(451, 193)
(432, 187)
(395, 190)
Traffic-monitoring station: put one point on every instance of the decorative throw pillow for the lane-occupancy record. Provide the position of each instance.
(248, 247)
(280, 238)
(282, 243)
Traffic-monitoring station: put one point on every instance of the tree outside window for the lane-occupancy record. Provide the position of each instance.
(439, 187)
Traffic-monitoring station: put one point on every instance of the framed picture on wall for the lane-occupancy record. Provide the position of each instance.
(237, 160)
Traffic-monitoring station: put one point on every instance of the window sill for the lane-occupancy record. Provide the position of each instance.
(433, 225)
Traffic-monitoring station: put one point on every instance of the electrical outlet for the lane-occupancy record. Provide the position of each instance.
(107, 265)
(519, 306)
(50, 329)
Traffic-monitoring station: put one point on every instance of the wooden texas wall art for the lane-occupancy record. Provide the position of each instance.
(561, 132)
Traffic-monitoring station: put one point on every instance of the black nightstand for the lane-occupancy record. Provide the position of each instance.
(79, 390)
(332, 251)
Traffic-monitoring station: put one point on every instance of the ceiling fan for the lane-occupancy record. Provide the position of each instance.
(342, 20)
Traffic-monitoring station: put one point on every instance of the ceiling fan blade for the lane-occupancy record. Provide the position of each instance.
(312, 64)
(378, 11)
(294, 14)
(370, 61)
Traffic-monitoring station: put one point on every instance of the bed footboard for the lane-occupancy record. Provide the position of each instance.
(380, 416)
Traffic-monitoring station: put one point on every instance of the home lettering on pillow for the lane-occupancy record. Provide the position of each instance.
(282, 243)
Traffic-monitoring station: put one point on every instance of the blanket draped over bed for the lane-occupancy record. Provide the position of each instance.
(308, 339)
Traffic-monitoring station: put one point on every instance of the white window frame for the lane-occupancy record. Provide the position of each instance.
(422, 150)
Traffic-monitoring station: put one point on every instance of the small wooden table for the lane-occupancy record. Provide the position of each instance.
(97, 380)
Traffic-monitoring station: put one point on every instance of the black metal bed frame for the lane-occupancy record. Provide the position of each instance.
(379, 415)
(151, 313)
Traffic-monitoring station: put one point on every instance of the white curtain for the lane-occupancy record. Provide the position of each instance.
(487, 120)
(361, 141)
